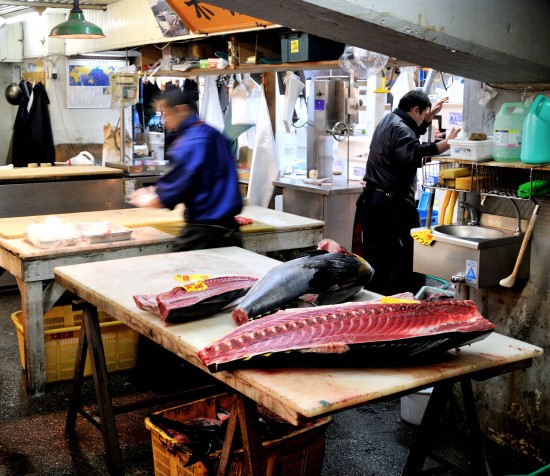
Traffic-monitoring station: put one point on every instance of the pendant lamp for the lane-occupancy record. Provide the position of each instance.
(76, 27)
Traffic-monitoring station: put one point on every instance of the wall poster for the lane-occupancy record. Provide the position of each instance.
(88, 82)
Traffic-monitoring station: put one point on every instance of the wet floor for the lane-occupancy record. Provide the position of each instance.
(368, 441)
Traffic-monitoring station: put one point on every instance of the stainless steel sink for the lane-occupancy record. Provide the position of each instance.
(469, 231)
(483, 255)
(474, 236)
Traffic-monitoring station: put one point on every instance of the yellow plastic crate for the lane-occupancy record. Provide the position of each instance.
(298, 453)
(61, 334)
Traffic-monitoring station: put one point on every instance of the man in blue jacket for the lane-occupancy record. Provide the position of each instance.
(386, 210)
(203, 176)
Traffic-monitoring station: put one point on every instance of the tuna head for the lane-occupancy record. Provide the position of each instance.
(326, 278)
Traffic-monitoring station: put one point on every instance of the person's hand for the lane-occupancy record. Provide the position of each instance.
(145, 197)
(436, 108)
(453, 134)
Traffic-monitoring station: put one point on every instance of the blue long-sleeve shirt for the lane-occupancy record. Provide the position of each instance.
(203, 175)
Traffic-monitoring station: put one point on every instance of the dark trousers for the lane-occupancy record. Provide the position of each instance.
(196, 236)
(383, 223)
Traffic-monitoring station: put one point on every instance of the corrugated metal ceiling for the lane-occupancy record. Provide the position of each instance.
(11, 7)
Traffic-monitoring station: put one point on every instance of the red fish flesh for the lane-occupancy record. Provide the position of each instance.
(179, 305)
(399, 329)
(321, 277)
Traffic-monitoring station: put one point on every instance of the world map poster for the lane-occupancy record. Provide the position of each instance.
(88, 83)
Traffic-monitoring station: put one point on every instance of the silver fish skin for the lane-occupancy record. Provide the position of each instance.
(318, 279)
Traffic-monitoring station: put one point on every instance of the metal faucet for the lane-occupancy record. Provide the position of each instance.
(474, 220)
(517, 230)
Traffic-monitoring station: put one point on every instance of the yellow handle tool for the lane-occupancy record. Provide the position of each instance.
(443, 208)
(451, 208)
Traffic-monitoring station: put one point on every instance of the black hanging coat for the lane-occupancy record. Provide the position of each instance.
(32, 130)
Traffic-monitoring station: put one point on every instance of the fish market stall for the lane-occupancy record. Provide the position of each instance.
(329, 389)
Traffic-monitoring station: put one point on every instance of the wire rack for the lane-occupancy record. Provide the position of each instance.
(519, 183)
(510, 180)
(432, 173)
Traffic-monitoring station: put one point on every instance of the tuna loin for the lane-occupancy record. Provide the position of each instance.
(401, 329)
(318, 278)
(179, 305)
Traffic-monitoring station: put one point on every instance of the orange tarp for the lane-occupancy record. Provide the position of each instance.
(200, 17)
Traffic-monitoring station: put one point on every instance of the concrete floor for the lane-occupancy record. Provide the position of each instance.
(368, 441)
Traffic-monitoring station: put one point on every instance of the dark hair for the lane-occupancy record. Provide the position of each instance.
(415, 98)
(173, 96)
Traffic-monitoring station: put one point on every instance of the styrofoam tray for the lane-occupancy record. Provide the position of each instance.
(103, 232)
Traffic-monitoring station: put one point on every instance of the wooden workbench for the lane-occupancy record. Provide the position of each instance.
(271, 230)
(58, 172)
(328, 390)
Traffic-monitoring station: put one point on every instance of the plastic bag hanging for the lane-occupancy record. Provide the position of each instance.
(245, 98)
(265, 162)
(403, 84)
(362, 63)
(293, 87)
(210, 110)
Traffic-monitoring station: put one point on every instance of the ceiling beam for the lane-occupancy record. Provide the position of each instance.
(381, 26)
(69, 4)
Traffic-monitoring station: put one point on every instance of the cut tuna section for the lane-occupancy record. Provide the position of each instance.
(179, 305)
(371, 330)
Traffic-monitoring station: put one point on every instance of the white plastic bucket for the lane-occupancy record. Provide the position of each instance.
(414, 405)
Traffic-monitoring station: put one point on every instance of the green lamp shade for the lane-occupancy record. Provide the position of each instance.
(76, 27)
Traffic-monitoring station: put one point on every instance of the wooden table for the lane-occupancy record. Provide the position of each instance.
(33, 270)
(281, 390)
(271, 230)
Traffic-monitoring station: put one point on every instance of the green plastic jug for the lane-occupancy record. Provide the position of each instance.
(507, 132)
(535, 148)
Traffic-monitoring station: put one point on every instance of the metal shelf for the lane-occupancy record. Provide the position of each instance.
(253, 68)
(266, 68)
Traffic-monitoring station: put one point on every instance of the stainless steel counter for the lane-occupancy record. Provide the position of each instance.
(334, 204)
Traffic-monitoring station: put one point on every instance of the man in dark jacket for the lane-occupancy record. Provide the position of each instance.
(386, 210)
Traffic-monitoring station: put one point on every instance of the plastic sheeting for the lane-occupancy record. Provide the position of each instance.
(265, 163)
(362, 63)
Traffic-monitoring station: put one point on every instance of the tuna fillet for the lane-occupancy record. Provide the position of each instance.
(179, 305)
(400, 330)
